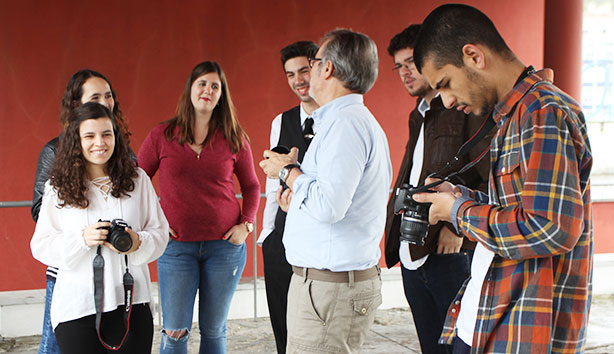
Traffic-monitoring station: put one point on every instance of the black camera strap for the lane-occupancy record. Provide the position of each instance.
(487, 125)
(128, 281)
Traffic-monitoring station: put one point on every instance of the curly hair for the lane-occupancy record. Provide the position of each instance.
(74, 93)
(69, 174)
(223, 119)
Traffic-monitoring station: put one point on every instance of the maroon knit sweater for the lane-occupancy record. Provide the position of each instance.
(197, 193)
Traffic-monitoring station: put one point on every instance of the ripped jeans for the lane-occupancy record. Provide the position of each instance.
(214, 269)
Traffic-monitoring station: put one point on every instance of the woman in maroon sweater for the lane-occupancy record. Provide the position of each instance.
(197, 153)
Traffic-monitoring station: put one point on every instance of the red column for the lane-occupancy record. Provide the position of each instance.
(563, 44)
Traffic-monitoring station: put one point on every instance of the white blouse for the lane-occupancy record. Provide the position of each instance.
(58, 242)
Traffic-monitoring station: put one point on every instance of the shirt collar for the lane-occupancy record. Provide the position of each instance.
(507, 104)
(424, 106)
(337, 104)
(303, 114)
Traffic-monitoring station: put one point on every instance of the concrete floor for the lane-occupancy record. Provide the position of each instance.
(393, 332)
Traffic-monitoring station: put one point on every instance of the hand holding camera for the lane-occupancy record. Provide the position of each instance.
(421, 206)
(116, 235)
(96, 234)
(275, 161)
(441, 202)
(414, 215)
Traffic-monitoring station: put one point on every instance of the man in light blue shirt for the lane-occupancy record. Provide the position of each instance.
(336, 202)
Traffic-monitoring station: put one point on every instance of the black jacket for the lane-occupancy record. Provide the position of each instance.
(43, 168)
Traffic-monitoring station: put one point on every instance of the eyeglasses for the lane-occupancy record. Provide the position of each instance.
(398, 67)
(407, 63)
(311, 60)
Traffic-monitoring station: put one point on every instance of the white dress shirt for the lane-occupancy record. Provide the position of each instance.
(271, 206)
(414, 177)
(338, 210)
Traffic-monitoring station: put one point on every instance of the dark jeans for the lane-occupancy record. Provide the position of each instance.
(430, 290)
(277, 275)
(79, 336)
(49, 345)
(460, 347)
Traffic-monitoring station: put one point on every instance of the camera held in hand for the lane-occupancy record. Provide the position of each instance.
(281, 149)
(414, 216)
(118, 236)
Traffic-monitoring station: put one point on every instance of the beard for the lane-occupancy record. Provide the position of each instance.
(481, 95)
(418, 92)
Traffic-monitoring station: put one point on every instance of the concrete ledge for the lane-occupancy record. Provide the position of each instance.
(603, 268)
(21, 312)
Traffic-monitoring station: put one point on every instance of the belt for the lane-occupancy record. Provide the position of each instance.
(337, 277)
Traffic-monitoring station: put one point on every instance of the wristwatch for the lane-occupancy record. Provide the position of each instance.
(285, 172)
(249, 226)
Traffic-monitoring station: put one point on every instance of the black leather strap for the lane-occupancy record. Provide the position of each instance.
(288, 168)
(98, 265)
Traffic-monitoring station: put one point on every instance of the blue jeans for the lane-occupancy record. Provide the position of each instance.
(430, 290)
(214, 269)
(49, 344)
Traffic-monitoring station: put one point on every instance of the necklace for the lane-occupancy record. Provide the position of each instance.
(104, 186)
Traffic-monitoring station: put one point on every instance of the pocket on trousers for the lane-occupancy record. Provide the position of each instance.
(312, 306)
(363, 313)
(365, 306)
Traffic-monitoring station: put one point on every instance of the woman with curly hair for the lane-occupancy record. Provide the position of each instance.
(197, 153)
(84, 86)
(93, 179)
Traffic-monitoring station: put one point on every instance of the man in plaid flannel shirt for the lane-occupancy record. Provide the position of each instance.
(531, 276)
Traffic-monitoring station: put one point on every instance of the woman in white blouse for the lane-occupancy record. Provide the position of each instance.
(93, 179)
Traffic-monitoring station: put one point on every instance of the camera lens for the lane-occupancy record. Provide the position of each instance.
(415, 224)
(118, 236)
(121, 240)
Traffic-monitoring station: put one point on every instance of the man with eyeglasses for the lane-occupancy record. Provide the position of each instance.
(292, 128)
(337, 203)
(432, 273)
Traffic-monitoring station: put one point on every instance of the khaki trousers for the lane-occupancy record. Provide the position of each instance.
(330, 317)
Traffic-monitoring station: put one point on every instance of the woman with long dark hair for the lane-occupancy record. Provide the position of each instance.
(197, 153)
(83, 86)
(94, 178)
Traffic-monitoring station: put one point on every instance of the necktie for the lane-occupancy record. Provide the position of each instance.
(308, 130)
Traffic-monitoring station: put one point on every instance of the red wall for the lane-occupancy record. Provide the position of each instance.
(602, 226)
(147, 49)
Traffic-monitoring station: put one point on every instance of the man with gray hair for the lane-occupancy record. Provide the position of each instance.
(336, 202)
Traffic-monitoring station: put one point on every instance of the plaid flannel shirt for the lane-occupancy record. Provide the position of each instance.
(537, 220)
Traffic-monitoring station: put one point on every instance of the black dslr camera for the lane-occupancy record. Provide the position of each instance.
(118, 236)
(415, 218)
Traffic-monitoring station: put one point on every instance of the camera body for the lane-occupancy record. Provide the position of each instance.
(414, 216)
(118, 236)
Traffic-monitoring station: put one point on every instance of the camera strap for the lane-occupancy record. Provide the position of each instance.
(487, 125)
(128, 281)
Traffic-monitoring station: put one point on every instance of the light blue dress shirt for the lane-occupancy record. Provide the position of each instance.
(338, 212)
